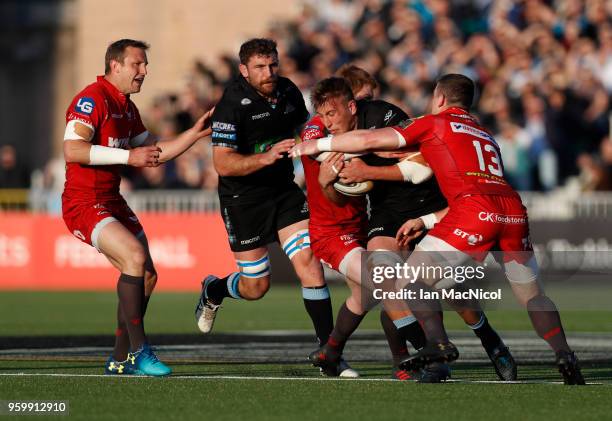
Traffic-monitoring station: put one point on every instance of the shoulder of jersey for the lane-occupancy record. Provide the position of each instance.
(92, 90)
(407, 122)
(88, 99)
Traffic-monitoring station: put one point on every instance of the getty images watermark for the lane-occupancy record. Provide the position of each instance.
(448, 282)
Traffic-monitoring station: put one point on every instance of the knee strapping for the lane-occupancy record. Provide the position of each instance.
(254, 268)
(296, 242)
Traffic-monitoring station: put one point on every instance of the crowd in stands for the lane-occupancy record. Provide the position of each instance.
(543, 70)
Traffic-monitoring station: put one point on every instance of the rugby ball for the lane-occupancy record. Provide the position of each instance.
(354, 189)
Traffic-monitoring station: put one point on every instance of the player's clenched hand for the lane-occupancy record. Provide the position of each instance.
(330, 168)
(411, 229)
(304, 148)
(354, 171)
(202, 127)
(144, 156)
(277, 151)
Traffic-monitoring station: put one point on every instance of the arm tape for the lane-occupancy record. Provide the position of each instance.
(429, 220)
(103, 155)
(413, 171)
(324, 144)
(401, 142)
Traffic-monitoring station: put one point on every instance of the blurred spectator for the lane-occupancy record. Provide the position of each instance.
(13, 173)
(543, 68)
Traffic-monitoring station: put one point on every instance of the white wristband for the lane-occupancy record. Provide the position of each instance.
(401, 142)
(429, 220)
(324, 144)
(103, 155)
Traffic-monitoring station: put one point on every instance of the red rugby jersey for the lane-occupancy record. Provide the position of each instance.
(116, 124)
(325, 216)
(464, 157)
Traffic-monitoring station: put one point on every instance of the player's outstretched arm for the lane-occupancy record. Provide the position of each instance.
(413, 228)
(231, 163)
(354, 141)
(172, 148)
(357, 171)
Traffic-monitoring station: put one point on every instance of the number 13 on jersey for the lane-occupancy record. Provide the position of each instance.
(494, 167)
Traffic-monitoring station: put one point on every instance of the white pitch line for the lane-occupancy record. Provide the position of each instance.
(324, 379)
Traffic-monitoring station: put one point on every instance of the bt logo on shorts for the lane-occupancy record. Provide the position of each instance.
(471, 239)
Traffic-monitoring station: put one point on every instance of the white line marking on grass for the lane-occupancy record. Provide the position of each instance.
(324, 379)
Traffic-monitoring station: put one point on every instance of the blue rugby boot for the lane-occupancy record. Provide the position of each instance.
(114, 367)
(144, 362)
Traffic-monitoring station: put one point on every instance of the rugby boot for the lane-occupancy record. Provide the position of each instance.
(435, 373)
(206, 310)
(114, 367)
(569, 368)
(144, 362)
(403, 375)
(503, 362)
(432, 352)
(328, 366)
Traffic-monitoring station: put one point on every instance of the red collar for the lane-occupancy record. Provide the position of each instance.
(457, 110)
(112, 89)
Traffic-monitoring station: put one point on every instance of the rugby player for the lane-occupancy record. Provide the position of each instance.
(395, 198)
(338, 222)
(466, 162)
(104, 131)
(260, 202)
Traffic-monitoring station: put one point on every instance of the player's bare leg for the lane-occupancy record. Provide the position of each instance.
(398, 314)
(329, 356)
(250, 282)
(428, 310)
(122, 342)
(295, 242)
(544, 316)
(127, 252)
(129, 255)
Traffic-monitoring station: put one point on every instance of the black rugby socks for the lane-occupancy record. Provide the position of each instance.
(130, 290)
(319, 308)
(346, 323)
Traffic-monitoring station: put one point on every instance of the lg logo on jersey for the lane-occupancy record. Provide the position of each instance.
(84, 105)
(471, 239)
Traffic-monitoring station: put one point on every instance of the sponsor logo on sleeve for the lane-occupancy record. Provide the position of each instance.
(219, 125)
(226, 136)
(84, 105)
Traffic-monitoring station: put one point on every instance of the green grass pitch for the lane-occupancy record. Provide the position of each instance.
(219, 390)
